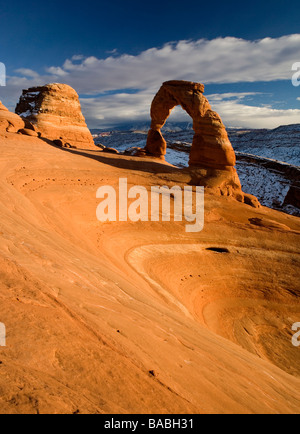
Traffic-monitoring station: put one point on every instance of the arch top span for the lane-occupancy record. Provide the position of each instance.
(189, 85)
(211, 147)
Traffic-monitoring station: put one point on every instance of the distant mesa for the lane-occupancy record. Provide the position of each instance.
(212, 158)
(54, 110)
(9, 122)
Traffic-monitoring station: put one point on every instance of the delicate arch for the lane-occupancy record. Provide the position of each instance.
(211, 146)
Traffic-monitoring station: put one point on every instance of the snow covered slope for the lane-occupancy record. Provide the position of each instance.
(281, 144)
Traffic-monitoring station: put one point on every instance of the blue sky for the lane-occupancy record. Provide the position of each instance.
(116, 54)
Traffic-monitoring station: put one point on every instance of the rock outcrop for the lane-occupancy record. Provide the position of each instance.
(55, 111)
(211, 146)
(9, 122)
(212, 158)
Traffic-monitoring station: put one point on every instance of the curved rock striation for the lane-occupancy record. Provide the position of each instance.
(9, 122)
(55, 111)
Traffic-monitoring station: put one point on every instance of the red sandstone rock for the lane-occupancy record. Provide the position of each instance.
(54, 109)
(9, 122)
(110, 150)
(212, 158)
(211, 146)
(28, 132)
(29, 125)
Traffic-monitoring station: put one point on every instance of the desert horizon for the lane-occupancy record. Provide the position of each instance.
(149, 224)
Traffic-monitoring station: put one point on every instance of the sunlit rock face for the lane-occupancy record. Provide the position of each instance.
(54, 109)
(212, 158)
(211, 146)
(9, 122)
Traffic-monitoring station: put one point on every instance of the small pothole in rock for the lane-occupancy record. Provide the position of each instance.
(218, 249)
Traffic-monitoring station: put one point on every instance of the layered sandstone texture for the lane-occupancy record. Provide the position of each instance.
(212, 158)
(124, 317)
(54, 109)
(9, 122)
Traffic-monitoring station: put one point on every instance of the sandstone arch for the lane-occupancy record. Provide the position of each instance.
(212, 158)
(211, 147)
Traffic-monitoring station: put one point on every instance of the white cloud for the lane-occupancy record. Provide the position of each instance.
(77, 57)
(232, 107)
(231, 95)
(27, 72)
(114, 51)
(57, 71)
(221, 60)
(237, 114)
(110, 110)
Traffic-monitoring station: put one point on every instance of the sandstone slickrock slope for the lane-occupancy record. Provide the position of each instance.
(9, 122)
(212, 158)
(124, 317)
(54, 109)
(144, 317)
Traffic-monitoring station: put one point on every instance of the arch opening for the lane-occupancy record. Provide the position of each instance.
(211, 147)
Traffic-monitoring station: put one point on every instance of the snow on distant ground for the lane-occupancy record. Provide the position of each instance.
(282, 144)
(270, 185)
(177, 158)
(122, 140)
